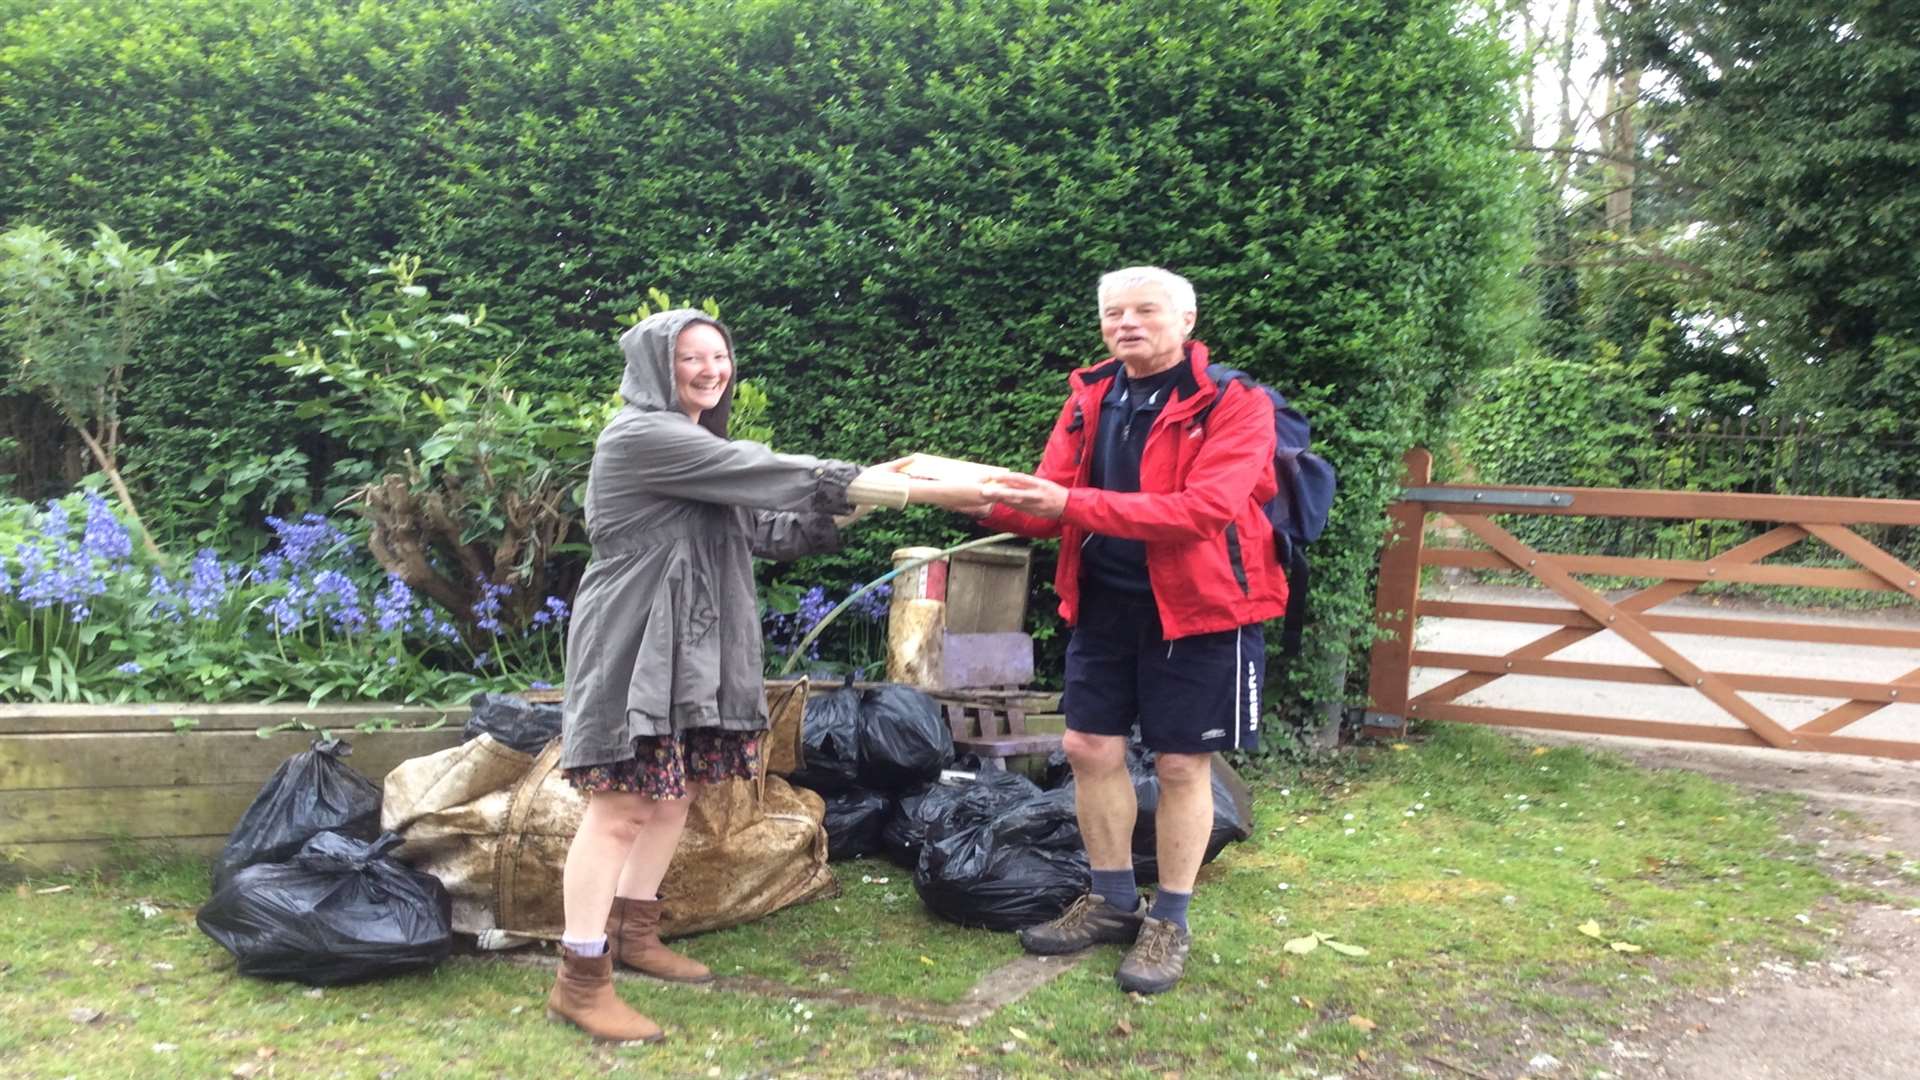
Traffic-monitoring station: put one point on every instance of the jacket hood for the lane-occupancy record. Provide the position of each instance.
(647, 384)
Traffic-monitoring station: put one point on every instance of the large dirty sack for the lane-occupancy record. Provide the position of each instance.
(311, 792)
(494, 825)
(339, 911)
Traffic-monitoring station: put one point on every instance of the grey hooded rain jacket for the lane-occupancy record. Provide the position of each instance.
(666, 626)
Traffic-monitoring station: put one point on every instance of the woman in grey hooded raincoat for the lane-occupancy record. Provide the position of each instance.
(663, 677)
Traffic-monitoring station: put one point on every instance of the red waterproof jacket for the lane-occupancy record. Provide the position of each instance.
(1210, 551)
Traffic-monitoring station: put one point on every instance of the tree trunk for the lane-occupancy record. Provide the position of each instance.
(112, 469)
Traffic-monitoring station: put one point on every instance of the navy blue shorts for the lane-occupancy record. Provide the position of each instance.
(1193, 695)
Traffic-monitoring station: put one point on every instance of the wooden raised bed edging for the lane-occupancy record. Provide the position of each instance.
(82, 783)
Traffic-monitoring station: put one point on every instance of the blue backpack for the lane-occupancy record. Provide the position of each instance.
(1300, 508)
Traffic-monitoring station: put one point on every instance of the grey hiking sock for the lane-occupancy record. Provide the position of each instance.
(1170, 906)
(1117, 888)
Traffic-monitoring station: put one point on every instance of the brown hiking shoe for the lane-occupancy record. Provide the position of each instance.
(583, 996)
(633, 937)
(1157, 960)
(1089, 920)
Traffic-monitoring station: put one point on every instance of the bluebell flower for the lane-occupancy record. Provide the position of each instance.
(483, 660)
(392, 661)
(539, 685)
(337, 598)
(393, 605)
(105, 538)
(814, 606)
(486, 610)
(128, 668)
(272, 567)
(873, 605)
(303, 542)
(437, 624)
(284, 612)
(208, 581)
(552, 610)
(6, 583)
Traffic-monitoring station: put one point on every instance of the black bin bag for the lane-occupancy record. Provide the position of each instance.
(1232, 815)
(830, 743)
(340, 911)
(854, 823)
(951, 806)
(904, 741)
(514, 723)
(311, 792)
(1018, 869)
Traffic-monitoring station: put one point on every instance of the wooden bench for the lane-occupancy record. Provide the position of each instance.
(995, 723)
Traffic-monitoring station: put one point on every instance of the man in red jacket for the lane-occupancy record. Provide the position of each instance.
(1167, 569)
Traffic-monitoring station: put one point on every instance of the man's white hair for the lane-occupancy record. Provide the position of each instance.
(1178, 289)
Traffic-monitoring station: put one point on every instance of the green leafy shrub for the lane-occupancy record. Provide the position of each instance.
(904, 207)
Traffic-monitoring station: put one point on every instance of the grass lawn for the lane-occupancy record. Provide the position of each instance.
(1463, 863)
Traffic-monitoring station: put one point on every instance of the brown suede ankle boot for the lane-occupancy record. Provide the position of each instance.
(583, 996)
(633, 937)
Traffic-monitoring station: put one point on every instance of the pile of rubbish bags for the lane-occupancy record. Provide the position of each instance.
(307, 889)
(331, 878)
(987, 847)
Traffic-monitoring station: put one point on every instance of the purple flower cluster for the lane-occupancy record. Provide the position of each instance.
(815, 606)
(56, 569)
(554, 611)
(486, 610)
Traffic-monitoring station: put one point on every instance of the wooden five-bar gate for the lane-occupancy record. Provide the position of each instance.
(1828, 521)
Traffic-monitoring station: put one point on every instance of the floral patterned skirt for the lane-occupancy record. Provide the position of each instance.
(661, 766)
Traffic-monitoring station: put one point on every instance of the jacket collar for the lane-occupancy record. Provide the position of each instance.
(1191, 390)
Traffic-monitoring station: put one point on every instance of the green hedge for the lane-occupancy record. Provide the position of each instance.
(901, 207)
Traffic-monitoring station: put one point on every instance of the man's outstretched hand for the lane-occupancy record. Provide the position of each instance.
(1028, 494)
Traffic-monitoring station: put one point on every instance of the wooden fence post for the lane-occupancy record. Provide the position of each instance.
(1394, 603)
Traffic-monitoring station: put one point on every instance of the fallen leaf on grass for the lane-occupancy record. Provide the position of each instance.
(1589, 928)
(1401, 746)
(1301, 946)
(1122, 1028)
(54, 889)
(85, 1015)
(1018, 1034)
(247, 1069)
(1625, 946)
(1361, 1022)
(1345, 949)
(1538, 750)
(927, 960)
